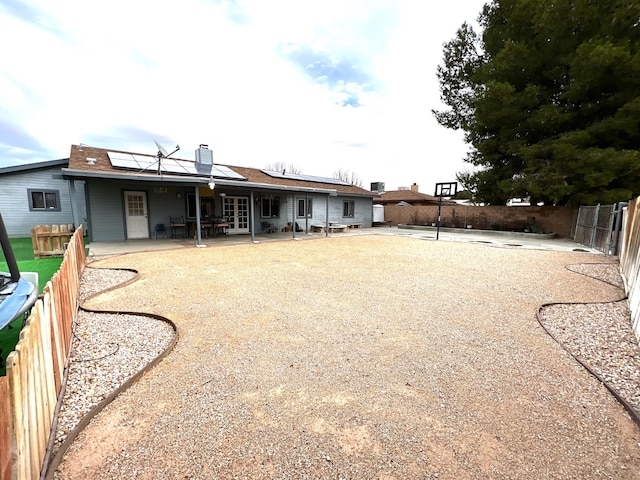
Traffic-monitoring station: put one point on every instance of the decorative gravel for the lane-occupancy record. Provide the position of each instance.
(600, 335)
(107, 350)
(369, 357)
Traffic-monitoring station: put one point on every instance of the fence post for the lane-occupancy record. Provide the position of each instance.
(594, 228)
(618, 225)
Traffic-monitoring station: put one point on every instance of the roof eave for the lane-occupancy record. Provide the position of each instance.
(34, 166)
(83, 174)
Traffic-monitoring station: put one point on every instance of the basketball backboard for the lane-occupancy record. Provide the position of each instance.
(446, 189)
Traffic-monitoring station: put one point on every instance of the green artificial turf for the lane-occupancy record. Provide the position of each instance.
(45, 267)
(8, 339)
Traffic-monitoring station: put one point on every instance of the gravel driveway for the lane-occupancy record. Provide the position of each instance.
(358, 357)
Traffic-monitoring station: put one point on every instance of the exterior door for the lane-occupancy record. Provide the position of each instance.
(236, 211)
(136, 215)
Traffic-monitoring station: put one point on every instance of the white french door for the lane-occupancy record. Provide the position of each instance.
(136, 214)
(236, 211)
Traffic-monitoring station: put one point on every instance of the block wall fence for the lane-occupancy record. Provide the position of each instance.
(558, 220)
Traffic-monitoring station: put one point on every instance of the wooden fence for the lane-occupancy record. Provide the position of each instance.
(50, 241)
(492, 217)
(35, 369)
(630, 261)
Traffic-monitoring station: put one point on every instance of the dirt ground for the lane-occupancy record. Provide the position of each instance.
(358, 357)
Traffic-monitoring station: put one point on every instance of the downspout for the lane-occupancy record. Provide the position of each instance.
(74, 203)
(252, 212)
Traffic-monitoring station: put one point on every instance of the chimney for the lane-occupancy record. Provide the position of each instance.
(204, 156)
(414, 187)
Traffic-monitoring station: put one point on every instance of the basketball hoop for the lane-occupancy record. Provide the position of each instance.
(444, 189)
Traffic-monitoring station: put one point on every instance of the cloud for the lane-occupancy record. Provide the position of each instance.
(33, 16)
(235, 12)
(341, 75)
(322, 85)
(18, 145)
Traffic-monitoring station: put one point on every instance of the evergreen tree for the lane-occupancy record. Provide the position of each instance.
(549, 99)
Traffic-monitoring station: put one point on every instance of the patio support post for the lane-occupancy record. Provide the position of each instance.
(293, 215)
(326, 220)
(252, 212)
(306, 213)
(198, 237)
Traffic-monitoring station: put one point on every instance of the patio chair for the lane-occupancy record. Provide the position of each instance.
(268, 227)
(160, 230)
(206, 225)
(178, 227)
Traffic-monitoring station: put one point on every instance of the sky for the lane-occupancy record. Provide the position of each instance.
(322, 85)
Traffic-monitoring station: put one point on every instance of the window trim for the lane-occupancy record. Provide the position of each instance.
(350, 208)
(44, 192)
(204, 201)
(308, 207)
(273, 205)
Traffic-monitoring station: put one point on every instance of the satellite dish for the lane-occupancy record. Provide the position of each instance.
(161, 150)
(162, 153)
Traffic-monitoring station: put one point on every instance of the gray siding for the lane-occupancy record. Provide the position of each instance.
(106, 211)
(363, 211)
(14, 200)
(106, 205)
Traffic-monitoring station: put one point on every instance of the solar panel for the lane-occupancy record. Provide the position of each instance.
(305, 178)
(123, 160)
(146, 163)
(189, 167)
(225, 172)
(171, 165)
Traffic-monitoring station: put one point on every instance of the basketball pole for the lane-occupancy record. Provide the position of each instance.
(438, 223)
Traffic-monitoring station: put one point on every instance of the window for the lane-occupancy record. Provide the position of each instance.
(44, 200)
(270, 207)
(348, 208)
(206, 206)
(304, 207)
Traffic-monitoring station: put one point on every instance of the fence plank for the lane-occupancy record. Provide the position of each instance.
(630, 263)
(58, 350)
(20, 452)
(34, 369)
(5, 430)
(50, 240)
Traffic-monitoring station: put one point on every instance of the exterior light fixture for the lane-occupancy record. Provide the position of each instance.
(212, 184)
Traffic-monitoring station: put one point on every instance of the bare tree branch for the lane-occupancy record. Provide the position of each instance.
(283, 167)
(348, 176)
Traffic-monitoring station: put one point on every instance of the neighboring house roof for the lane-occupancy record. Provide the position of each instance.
(409, 196)
(34, 166)
(101, 167)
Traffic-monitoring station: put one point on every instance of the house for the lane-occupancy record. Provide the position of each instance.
(37, 194)
(399, 206)
(409, 196)
(128, 194)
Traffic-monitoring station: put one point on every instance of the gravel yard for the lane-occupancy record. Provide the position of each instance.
(355, 357)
